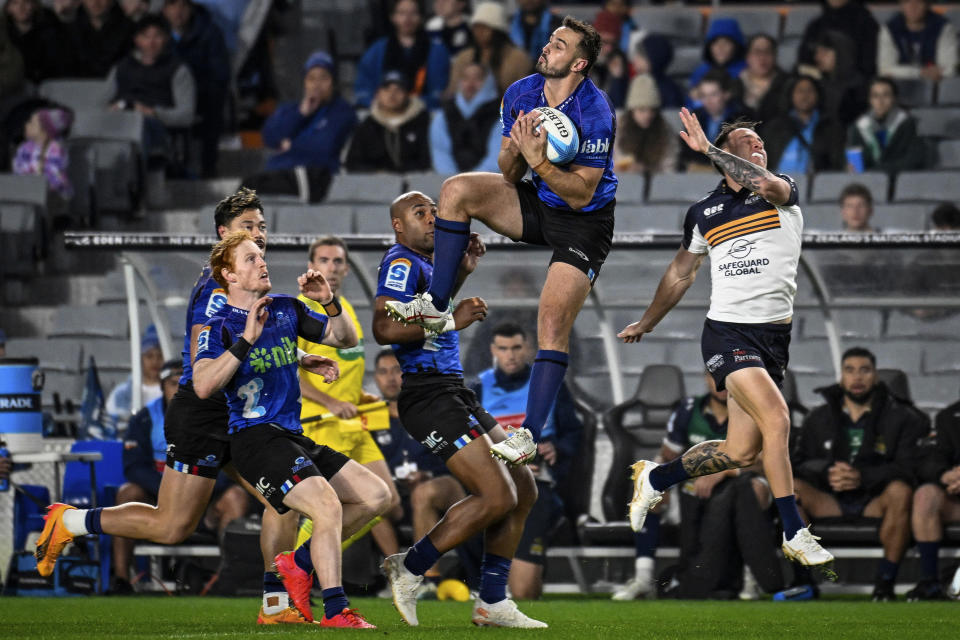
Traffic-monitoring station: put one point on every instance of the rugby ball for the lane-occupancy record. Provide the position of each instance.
(562, 139)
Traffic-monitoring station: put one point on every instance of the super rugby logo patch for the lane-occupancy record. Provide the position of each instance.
(398, 272)
(218, 298)
(203, 340)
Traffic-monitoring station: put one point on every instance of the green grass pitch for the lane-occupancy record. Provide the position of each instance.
(569, 618)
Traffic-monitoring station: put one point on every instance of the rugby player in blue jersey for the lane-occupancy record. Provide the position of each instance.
(198, 448)
(437, 410)
(568, 208)
(249, 350)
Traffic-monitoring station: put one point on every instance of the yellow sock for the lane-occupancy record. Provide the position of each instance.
(305, 531)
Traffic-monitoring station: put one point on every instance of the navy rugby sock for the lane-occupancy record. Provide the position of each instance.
(789, 515)
(92, 522)
(421, 556)
(272, 583)
(302, 557)
(334, 602)
(494, 572)
(647, 539)
(549, 368)
(450, 240)
(668, 474)
(929, 552)
(887, 571)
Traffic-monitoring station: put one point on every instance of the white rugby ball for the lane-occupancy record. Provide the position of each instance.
(562, 139)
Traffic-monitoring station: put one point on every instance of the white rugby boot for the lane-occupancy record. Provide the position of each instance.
(645, 497)
(420, 311)
(503, 614)
(403, 586)
(518, 449)
(804, 548)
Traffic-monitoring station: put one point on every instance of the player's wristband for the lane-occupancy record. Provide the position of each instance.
(540, 164)
(240, 349)
(336, 305)
(301, 354)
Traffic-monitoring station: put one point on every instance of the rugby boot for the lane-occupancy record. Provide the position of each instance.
(645, 497)
(503, 614)
(420, 311)
(804, 548)
(53, 538)
(297, 582)
(348, 618)
(518, 449)
(404, 586)
(290, 615)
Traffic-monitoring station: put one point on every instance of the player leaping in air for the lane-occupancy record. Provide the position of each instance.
(751, 226)
(569, 209)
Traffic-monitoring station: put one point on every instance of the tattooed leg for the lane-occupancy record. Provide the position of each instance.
(706, 458)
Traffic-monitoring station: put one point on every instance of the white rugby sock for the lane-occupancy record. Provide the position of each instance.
(643, 566)
(75, 520)
(275, 602)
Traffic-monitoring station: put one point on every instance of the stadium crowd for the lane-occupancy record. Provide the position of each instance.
(426, 96)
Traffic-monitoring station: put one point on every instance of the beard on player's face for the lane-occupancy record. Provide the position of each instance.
(547, 70)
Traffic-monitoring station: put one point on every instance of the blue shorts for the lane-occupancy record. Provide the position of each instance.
(728, 346)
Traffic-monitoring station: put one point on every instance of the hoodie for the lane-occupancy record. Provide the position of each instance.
(659, 54)
(464, 135)
(392, 143)
(722, 28)
(854, 20)
(891, 432)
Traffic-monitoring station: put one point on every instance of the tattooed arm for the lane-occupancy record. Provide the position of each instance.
(745, 173)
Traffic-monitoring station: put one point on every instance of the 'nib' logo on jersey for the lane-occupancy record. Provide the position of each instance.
(595, 146)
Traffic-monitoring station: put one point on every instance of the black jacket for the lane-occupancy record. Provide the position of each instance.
(94, 52)
(396, 145)
(42, 47)
(852, 19)
(945, 453)
(890, 437)
(202, 48)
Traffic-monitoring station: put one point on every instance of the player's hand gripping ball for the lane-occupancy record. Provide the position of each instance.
(453, 590)
(563, 142)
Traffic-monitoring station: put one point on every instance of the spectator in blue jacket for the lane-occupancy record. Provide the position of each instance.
(144, 458)
(532, 25)
(409, 50)
(311, 132)
(464, 133)
(199, 42)
(724, 49)
(502, 390)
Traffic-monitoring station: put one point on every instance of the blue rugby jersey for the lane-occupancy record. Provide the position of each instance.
(266, 387)
(403, 273)
(206, 299)
(591, 112)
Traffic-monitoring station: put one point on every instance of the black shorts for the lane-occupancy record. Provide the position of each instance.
(852, 503)
(196, 433)
(274, 460)
(728, 346)
(578, 238)
(438, 411)
(540, 525)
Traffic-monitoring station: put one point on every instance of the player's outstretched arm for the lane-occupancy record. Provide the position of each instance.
(675, 281)
(758, 180)
(212, 374)
(340, 330)
(387, 331)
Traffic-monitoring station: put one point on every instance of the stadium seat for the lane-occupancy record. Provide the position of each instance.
(821, 217)
(683, 188)
(937, 359)
(788, 52)
(938, 122)
(948, 154)
(53, 356)
(77, 93)
(374, 219)
(685, 60)
(811, 357)
(87, 322)
(907, 355)
(23, 201)
(753, 21)
(850, 323)
(663, 218)
(948, 91)
(117, 137)
(630, 190)
(882, 13)
(311, 219)
(927, 186)
(899, 217)
(681, 24)
(896, 381)
(427, 183)
(827, 185)
(373, 188)
(916, 92)
(110, 353)
(637, 426)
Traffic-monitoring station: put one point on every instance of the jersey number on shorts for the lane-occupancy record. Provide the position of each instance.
(250, 393)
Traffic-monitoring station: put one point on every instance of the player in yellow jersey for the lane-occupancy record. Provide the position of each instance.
(328, 255)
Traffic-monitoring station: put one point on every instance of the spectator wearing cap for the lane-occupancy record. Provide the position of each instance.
(121, 397)
(313, 131)
(491, 47)
(144, 461)
(98, 38)
(645, 143)
(723, 49)
(886, 133)
(653, 54)
(917, 43)
(532, 25)
(394, 137)
(450, 25)
(36, 32)
(198, 41)
(43, 151)
(154, 80)
(464, 133)
(410, 50)
(853, 19)
(805, 139)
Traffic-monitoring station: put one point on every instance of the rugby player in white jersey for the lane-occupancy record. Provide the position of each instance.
(751, 227)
